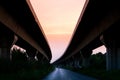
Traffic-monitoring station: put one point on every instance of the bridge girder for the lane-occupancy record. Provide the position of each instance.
(17, 16)
(96, 18)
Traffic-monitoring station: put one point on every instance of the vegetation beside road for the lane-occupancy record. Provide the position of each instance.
(100, 74)
(97, 68)
(22, 69)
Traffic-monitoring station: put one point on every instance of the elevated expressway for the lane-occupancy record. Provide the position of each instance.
(19, 25)
(97, 25)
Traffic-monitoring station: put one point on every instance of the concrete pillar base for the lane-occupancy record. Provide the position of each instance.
(85, 62)
(85, 54)
(31, 54)
(113, 59)
(6, 41)
(112, 43)
(5, 53)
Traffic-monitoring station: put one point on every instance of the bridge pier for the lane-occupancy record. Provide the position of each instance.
(40, 58)
(112, 54)
(6, 41)
(77, 60)
(85, 54)
(76, 64)
(112, 43)
(71, 62)
(31, 54)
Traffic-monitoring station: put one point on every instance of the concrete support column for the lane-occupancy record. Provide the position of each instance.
(40, 57)
(5, 53)
(85, 62)
(77, 63)
(77, 60)
(113, 51)
(6, 40)
(70, 61)
(31, 54)
(85, 54)
(111, 40)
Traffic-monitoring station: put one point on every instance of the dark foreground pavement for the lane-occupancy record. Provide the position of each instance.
(63, 74)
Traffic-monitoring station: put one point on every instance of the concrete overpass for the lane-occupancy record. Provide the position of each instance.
(99, 21)
(18, 18)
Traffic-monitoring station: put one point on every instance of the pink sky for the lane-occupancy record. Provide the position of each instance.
(58, 19)
(99, 49)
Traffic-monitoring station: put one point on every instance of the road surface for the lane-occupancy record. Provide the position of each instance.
(63, 74)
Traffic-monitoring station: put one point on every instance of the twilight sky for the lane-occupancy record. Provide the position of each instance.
(58, 19)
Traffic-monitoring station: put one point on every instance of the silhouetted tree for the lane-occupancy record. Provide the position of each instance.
(19, 59)
(98, 60)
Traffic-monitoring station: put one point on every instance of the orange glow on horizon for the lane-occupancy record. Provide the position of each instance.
(58, 44)
(58, 19)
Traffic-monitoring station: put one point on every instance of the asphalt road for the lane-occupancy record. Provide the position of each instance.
(63, 74)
